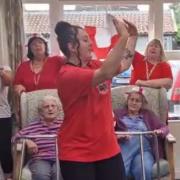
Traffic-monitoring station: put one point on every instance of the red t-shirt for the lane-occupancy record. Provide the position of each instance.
(87, 132)
(46, 79)
(162, 69)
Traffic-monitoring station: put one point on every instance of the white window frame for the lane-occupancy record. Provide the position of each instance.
(155, 21)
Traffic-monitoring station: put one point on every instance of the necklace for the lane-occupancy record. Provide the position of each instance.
(37, 72)
(149, 73)
(36, 78)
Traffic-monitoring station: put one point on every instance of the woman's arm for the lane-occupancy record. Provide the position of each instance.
(110, 66)
(130, 48)
(128, 54)
(156, 83)
(31, 146)
(162, 132)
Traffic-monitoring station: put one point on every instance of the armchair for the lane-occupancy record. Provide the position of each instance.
(28, 112)
(157, 102)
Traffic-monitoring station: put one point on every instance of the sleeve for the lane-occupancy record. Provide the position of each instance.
(18, 75)
(60, 60)
(120, 126)
(19, 134)
(156, 123)
(167, 72)
(137, 57)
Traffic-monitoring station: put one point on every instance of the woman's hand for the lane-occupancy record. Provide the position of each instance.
(140, 82)
(6, 76)
(158, 131)
(120, 26)
(32, 146)
(125, 137)
(131, 28)
(19, 89)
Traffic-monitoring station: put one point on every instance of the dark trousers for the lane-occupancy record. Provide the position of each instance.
(108, 169)
(5, 144)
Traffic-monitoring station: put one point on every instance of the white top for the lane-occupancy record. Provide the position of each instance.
(5, 110)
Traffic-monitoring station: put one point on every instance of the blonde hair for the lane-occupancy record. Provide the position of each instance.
(157, 42)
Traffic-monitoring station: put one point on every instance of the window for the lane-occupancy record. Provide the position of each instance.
(171, 26)
(95, 15)
(36, 20)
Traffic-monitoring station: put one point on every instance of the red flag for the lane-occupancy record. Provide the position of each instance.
(102, 50)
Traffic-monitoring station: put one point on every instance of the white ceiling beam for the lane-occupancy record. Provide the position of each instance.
(92, 2)
(36, 1)
(55, 14)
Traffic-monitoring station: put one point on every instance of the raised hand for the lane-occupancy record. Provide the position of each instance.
(120, 26)
(131, 28)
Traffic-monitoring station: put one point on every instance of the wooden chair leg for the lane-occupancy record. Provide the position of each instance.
(170, 158)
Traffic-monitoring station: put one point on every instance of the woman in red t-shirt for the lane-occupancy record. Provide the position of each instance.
(88, 148)
(40, 71)
(152, 70)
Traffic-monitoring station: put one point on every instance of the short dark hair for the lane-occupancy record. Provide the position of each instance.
(30, 54)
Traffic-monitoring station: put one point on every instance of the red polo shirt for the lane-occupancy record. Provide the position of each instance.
(162, 69)
(87, 132)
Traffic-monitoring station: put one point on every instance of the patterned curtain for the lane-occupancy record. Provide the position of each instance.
(15, 43)
(4, 56)
(14, 24)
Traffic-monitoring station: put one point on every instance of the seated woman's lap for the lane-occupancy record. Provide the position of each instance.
(129, 149)
(136, 166)
(132, 156)
(43, 169)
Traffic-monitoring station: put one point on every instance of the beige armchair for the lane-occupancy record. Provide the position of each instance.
(28, 112)
(157, 102)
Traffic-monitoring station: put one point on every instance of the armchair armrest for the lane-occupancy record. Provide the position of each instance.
(170, 140)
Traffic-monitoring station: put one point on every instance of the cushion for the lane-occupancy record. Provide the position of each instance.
(26, 173)
(164, 168)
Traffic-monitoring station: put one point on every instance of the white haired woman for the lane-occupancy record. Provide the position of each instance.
(43, 153)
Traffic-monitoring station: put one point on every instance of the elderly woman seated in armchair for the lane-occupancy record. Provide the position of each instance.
(136, 118)
(42, 163)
